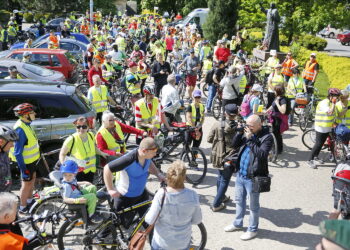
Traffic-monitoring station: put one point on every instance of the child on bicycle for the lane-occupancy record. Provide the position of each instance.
(78, 192)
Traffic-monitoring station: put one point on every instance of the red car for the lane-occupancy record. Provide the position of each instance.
(344, 38)
(55, 59)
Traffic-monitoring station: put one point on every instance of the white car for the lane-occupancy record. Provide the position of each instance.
(330, 32)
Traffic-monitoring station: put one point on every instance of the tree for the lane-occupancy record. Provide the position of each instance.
(221, 19)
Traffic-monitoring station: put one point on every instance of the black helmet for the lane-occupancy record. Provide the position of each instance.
(8, 133)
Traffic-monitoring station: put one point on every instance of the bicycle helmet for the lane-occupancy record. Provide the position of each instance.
(101, 49)
(334, 92)
(23, 109)
(8, 133)
(149, 90)
(69, 167)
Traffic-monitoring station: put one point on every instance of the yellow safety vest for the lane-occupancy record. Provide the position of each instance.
(206, 51)
(3, 38)
(207, 64)
(242, 84)
(120, 41)
(322, 119)
(81, 152)
(109, 68)
(99, 38)
(277, 80)
(271, 63)
(110, 140)
(11, 31)
(294, 87)
(194, 114)
(346, 119)
(31, 152)
(148, 116)
(132, 86)
(99, 101)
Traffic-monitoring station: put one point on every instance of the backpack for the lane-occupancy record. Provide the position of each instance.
(209, 76)
(245, 107)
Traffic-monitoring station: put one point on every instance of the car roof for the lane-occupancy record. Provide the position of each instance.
(35, 87)
(41, 50)
(10, 60)
(69, 40)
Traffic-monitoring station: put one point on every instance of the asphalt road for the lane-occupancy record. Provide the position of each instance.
(336, 48)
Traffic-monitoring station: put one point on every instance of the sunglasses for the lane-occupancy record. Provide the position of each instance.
(197, 97)
(82, 126)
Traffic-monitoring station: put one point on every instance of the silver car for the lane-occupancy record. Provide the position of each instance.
(30, 71)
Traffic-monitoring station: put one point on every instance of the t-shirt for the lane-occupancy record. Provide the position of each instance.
(282, 100)
(191, 63)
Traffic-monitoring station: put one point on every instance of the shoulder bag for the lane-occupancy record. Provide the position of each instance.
(139, 239)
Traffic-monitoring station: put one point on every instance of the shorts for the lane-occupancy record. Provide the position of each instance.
(191, 80)
(30, 170)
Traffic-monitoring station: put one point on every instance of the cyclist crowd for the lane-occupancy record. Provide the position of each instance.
(129, 50)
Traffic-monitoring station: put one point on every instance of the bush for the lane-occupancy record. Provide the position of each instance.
(29, 17)
(312, 42)
(255, 36)
(38, 16)
(248, 45)
(4, 16)
(283, 40)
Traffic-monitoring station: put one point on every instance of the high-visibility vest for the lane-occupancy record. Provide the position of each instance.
(110, 140)
(120, 41)
(12, 241)
(31, 152)
(277, 80)
(206, 51)
(84, 152)
(132, 86)
(69, 25)
(207, 64)
(148, 116)
(109, 68)
(99, 101)
(3, 36)
(271, 63)
(294, 87)
(197, 47)
(309, 71)
(76, 29)
(242, 84)
(344, 119)
(194, 114)
(245, 34)
(85, 29)
(11, 31)
(233, 45)
(322, 119)
(54, 40)
(286, 70)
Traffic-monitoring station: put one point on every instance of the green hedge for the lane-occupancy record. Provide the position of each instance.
(312, 42)
(4, 16)
(29, 17)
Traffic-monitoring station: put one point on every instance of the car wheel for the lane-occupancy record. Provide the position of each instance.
(331, 35)
(342, 43)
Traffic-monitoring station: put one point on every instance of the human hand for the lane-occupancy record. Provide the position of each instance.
(162, 72)
(248, 133)
(144, 134)
(82, 200)
(114, 193)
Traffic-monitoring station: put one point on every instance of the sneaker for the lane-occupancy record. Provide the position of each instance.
(318, 161)
(231, 228)
(29, 205)
(24, 211)
(311, 164)
(217, 209)
(226, 199)
(95, 218)
(248, 235)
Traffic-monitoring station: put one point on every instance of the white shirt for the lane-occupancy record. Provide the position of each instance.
(227, 83)
(170, 99)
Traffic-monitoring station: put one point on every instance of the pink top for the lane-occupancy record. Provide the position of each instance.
(169, 41)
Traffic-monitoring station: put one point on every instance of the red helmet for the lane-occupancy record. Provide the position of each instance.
(149, 90)
(343, 174)
(23, 109)
(334, 91)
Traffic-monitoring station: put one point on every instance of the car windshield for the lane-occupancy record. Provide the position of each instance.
(38, 70)
(71, 58)
(4, 53)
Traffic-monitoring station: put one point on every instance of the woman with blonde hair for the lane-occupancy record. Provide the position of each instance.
(180, 211)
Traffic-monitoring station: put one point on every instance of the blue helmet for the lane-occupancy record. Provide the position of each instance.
(69, 167)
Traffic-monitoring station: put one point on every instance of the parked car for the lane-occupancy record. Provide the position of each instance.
(76, 36)
(55, 24)
(73, 46)
(344, 38)
(55, 59)
(57, 107)
(30, 71)
(330, 32)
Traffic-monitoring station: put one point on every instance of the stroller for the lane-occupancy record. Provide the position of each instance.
(341, 189)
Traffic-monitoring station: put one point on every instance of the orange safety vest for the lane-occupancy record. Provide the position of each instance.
(54, 40)
(286, 70)
(12, 241)
(309, 71)
(85, 29)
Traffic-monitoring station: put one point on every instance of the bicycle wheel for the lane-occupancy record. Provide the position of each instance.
(273, 152)
(198, 237)
(72, 235)
(339, 152)
(181, 88)
(196, 165)
(83, 88)
(216, 107)
(205, 89)
(309, 138)
(303, 119)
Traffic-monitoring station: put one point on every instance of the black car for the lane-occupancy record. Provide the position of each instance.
(55, 24)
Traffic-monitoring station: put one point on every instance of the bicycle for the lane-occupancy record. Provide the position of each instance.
(115, 232)
(216, 106)
(307, 112)
(194, 158)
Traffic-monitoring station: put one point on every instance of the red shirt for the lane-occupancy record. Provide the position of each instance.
(93, 72)
(102, 145)
(222, 54)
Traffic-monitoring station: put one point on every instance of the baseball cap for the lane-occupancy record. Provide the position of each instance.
(273, 52)
(231, 109)
(313, 54)
(132, 64)
(197, 93)
(257, 87)
(337, 231)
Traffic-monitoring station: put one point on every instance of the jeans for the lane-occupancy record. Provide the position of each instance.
(243, 188)
(291, 114)
(211, 93)
(222, 183)
(320, 140)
